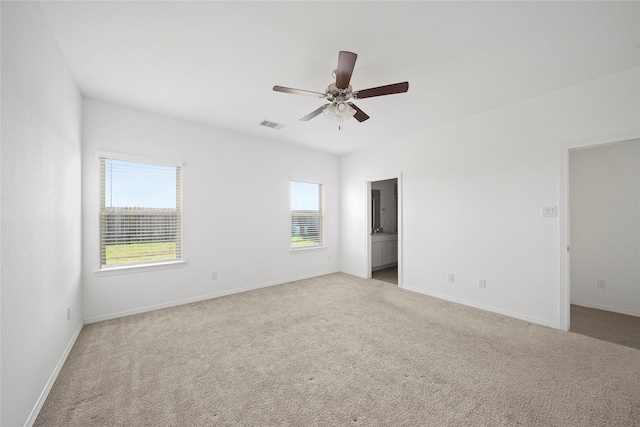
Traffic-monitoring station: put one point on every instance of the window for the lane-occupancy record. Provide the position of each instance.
(307, 215)
(140, 212)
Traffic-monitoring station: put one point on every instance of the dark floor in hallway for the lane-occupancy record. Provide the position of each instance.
(389, 274)
(605, 325)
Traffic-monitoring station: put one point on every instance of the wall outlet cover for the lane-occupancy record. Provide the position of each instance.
(548, 211)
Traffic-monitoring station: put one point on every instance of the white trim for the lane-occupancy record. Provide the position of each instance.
(484, 307)
(385, 176)
(564, 269)
(356, 274)
(138, 158)
(307, 248)
(368, 225)
(52, 379)
(139, 268)
(306, 181)
(564, 310)
(201, 298)
(606, 308)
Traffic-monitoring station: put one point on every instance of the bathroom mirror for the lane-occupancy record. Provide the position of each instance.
(375, 212)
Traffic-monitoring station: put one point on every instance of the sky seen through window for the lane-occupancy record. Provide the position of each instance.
(139, 185)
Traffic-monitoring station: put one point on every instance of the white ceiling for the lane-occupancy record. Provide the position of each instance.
(215, 63)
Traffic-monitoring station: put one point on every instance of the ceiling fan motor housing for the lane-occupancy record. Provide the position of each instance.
(335, 94)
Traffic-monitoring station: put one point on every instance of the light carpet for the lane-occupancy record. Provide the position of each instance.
(339, 350)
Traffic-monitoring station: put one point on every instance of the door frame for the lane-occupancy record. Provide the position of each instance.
(384, 177)
(564, 321)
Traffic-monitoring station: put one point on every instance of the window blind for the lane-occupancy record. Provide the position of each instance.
(307, 214)
(140, 212)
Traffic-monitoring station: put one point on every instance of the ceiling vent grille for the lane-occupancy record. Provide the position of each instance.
(272, 125)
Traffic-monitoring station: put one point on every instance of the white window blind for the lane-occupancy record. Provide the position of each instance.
(307, 214)
(140, 212)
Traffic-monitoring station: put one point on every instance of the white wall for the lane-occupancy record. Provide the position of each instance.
(41, 211)
(605, 227)
(236, 210)
(472, 193)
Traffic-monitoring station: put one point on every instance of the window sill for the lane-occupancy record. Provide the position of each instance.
(306, 249)
(139, 268)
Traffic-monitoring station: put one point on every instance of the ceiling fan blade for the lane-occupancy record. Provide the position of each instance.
(381, 90)
(346, 63)
(314, 113)
(360, 115)
(299, 92)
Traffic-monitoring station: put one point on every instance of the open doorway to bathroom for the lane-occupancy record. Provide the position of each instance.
(604, 218)
(384, 221)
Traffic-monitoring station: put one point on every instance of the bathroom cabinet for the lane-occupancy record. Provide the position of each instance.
(384, 250)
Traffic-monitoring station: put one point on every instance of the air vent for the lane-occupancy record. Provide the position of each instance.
(272, 125)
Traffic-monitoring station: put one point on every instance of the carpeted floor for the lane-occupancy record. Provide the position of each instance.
(339, 350)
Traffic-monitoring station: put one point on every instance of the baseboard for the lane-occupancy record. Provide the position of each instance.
(485, 307)
(200, 298)
(382, 267)
(354, 273)
(606, 308)
(52, 379)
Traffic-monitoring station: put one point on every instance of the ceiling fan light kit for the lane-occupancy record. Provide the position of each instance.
(340, 92)
(339, 111)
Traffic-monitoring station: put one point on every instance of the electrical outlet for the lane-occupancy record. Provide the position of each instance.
(68, 313)
(482, 283)
(601, 283)
(450, 277)
(548, 211)
(214, 275)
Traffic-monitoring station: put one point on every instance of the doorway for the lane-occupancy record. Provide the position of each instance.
(383, 228)
(600, 239)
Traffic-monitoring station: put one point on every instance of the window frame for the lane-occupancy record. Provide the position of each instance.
(107, 270)
(322, 227)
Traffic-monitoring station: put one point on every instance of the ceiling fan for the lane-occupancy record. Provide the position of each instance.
(339, 93)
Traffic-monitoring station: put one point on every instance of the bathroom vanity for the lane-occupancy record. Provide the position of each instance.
(384, 250)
